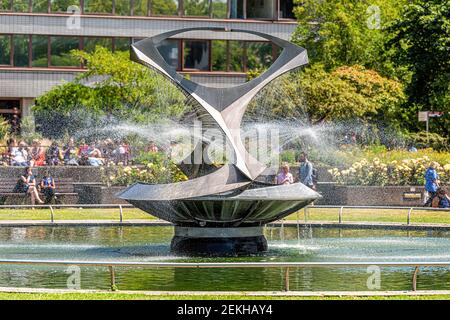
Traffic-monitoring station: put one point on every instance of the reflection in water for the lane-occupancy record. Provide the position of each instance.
(285, 244)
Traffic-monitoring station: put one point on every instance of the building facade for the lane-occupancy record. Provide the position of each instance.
(36, 37)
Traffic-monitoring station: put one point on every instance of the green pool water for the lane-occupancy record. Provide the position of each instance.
(150, 243)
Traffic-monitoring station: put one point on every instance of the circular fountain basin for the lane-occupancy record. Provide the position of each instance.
(219, 224)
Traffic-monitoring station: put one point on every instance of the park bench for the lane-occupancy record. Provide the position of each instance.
(64, 192)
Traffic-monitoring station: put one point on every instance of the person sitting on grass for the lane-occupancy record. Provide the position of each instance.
(94, 156)
(27, 184)
(19, 155)
(70, 153)
(37, 154)
(53, 154)
(48, 187)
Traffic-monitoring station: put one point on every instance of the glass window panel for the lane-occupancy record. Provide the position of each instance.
(196, 55)
(40, 51)
(286, 9)
(40, 6)
(260, 9)
(219, 55)
(121, 44)
(63, 5)
(219, 9)
(5, 5)
(60, 51)
(123, 7)
(196, 7)
(164, 7)
(140, 8)
(21, 5)
(259, 55)
(98, 6)
(90, 43)
(5, 49)
(236, 56)
(21, 50)
(237, 9)
(169, 49)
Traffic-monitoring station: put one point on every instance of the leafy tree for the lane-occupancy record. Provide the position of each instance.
(5, 129)
(421, 38)
(112, 86)
(346, 32)
(346, 93)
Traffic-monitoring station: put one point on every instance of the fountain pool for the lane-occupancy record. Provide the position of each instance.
(150, 243)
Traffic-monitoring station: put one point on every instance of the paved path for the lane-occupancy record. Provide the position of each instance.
(240, 293)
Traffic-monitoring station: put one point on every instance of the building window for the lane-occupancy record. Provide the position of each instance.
(121, 44)
(219, 55)
(196, 55)
(122, 7)
(39, 49)
(237, 9)
(5, 49)
(39, 6)
(60, 51)
(63, 5)
(164, 7)
(169, 50)
(5, 5)
(286, 9)
(196, 8)
(140, 7)
(260, 9)
(21, 43)
(21, 5)
(90, 43)
(219, 9)
(98, 6)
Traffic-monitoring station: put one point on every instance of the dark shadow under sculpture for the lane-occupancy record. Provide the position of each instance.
(223, 212)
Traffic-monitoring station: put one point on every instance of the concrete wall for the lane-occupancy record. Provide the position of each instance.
(29, 83)
(78, 174)
(138, 27)
(371, 195)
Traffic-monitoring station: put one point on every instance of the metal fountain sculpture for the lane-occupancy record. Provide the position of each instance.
(222, 212)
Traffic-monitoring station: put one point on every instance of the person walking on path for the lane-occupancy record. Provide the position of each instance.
(431, 182)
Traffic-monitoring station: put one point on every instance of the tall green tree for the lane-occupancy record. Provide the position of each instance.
(346, 32)
(113, 87)
(421, 38)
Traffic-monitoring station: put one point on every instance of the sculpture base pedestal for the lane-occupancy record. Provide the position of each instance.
(196, 241)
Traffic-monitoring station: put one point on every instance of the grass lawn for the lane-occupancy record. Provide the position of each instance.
(74, 214)
(314, 215)
(137, 296)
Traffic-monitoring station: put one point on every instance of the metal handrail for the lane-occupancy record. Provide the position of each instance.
(284, 265)
(306, 214)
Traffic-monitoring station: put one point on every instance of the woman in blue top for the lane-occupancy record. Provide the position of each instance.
(431, 182)
(48, 187)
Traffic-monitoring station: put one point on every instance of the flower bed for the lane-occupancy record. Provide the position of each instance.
(407, 172)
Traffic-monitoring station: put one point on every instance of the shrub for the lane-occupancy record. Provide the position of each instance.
(157, 168)
(396, 173)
